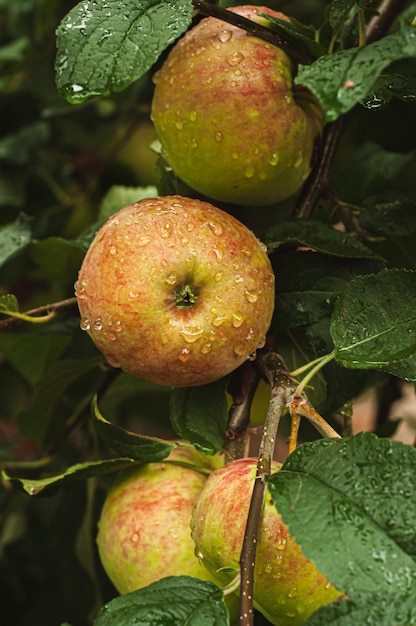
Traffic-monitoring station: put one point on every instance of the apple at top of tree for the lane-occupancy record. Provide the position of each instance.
(288, 588)
(176, 291)
(229, 120)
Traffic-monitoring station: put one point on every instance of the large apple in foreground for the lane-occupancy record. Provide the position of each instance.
(144, 529)
(287, 587)
(176, 291)
(229, 120)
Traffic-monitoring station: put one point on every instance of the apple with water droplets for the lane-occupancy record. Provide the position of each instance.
(144, 527)
(176, 291)
(230, 121)
(288, 588)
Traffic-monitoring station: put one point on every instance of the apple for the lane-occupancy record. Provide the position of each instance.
(176, 291)
(287, 587)
(144, 527)
(230, 122)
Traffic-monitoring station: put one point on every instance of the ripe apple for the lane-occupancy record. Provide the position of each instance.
(229, 120)
(287, 587)
(144, 528)
(176, 291)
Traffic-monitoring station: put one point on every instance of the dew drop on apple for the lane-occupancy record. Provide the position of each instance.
(193, 115)
(135, 538)
(206, 348)
(219, 320)
(112, 336)
(235, 155)
(218, 276)
(281, 543)
(117, 326)
(85, 323)
(237, 320)
(249, 171)
(274, 159)
(251, 297)
(113, 250)
(235, 58)
(98, 324)
(133, 294)
(224, 36)
(190, 335)
(216, 228)
(238, 279)
(184, 355)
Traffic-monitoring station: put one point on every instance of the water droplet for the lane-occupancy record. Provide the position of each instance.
(251, 297)
(235, 58)
(215, 227)
(98, 324)
(184, 355)
(237, 72)
(240, 350)
(298, 161)
(206, 348)
(218, 276)
(143, 241)
(135, 538)
(179, 125)
(112, 336)
(194, 143)
(190, 335)
(113, 250)
(281, 542)
(217, 253)
(252, 356)
(85, 324)
(117, 326)
(224, 36)
(171, 279)
(237, 320)
(249, 334)
(76, 288)
(274, 159)
(219, 136)
(238, 278)
(249, 171)
(233, 83)
(133, 294)
(165, 230)
(235, 155)
(268, 568)
(219, 320)
(193, 116)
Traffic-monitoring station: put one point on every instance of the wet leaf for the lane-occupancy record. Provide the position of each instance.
(374, 320)
(318, 236)
(14, 237)
(199, 415)
(341, 80)
(171, 601)
(359, 494)
(102, 47)
(138, 447)
(80, 471)
(389, 216)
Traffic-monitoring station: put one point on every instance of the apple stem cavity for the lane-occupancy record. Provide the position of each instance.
(185, 297)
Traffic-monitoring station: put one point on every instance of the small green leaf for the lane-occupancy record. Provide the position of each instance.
(341, 80)
(359, 494)
(374, 320)
(171, 601)
(138, 447)
(319, 236)
(102, 47)
(199, 415)
(120, 196)
(14, 237)
(60, 258)
(80, 471)
(297, 33)
(21, 147)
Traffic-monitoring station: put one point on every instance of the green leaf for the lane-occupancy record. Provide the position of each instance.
(120, 196)
(80, 471)
(358, 493)
(138, 447)
(199, 415)
(60, 258)
(171, 601)
(319, 236)
(55, 381)
(397, 81)
(297, 33)
(383, 609)
(389, 216)
(341, 80)
(308, 285)
(21, 147)
(14, 237)
(374, 320)
(102, 47)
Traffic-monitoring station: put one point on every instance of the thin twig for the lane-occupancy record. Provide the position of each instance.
(41, 310)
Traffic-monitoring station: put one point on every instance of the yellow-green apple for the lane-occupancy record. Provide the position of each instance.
(176, 291)
(144, 529)
(288, 588)
(229, 120)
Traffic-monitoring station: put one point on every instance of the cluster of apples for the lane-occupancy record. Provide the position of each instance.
(170, 519)
(180, 293)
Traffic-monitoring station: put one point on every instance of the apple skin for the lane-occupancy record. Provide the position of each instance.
(287, 587)
(229, 121)
(176, 291)
(144, 527)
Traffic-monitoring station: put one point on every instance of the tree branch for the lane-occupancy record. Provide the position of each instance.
(41, 310)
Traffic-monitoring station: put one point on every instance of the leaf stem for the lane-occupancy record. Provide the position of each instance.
(315, 369)
(45, 310)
